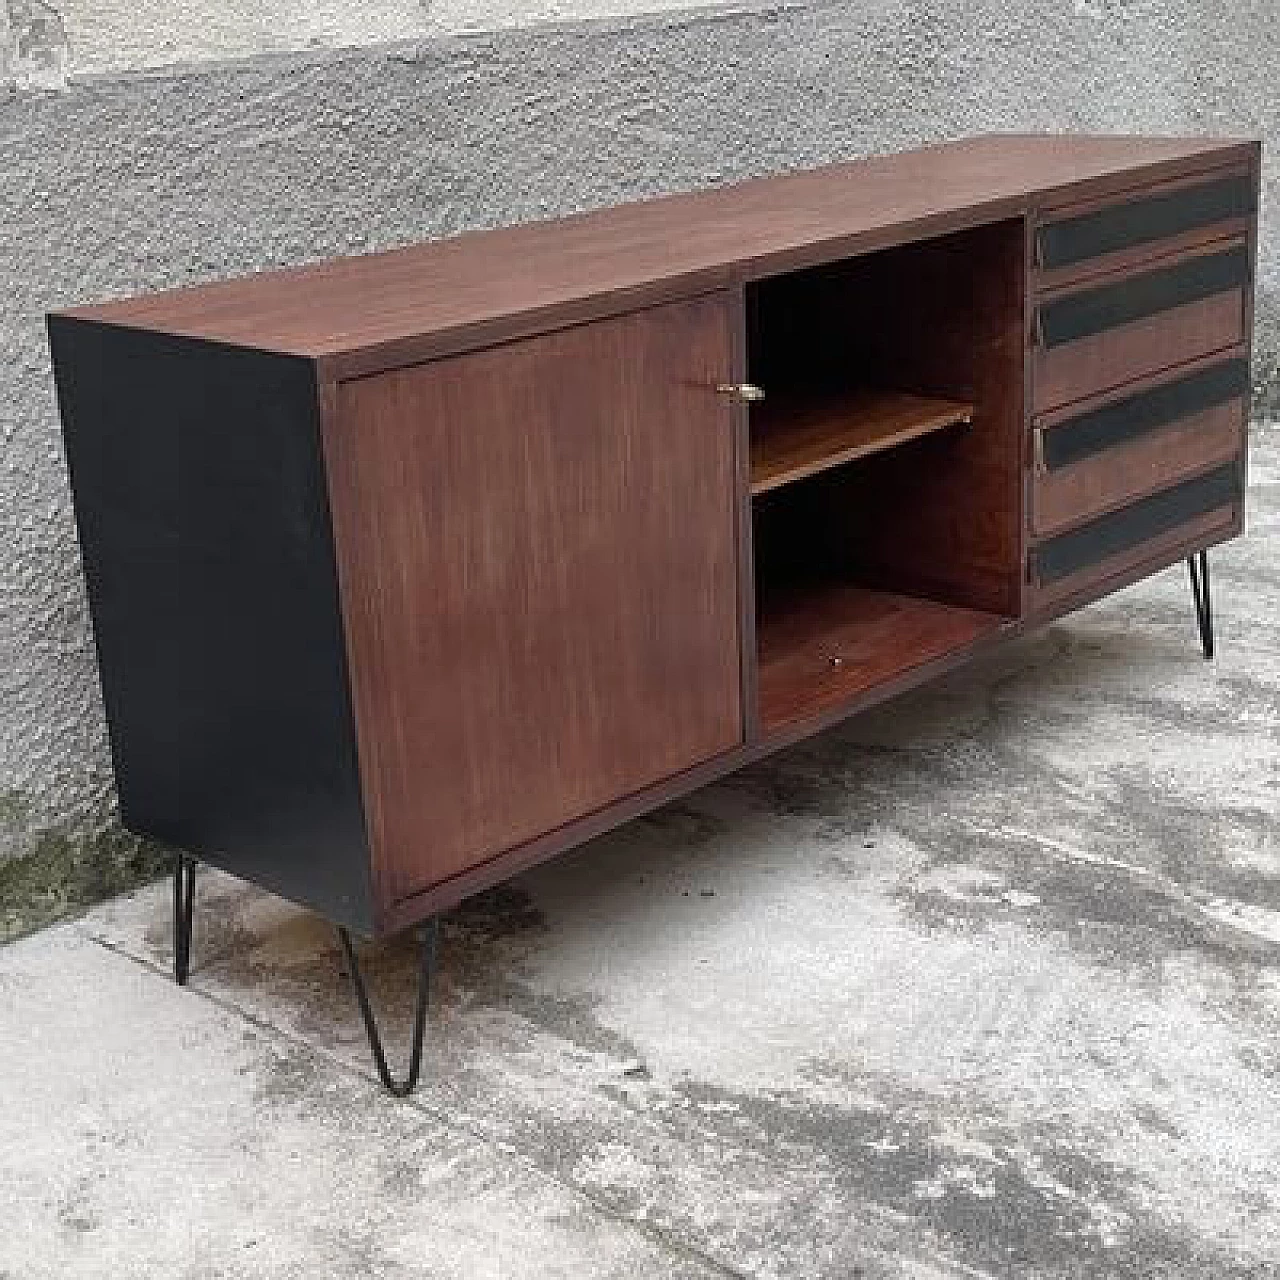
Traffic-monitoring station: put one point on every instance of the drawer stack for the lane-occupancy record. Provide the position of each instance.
(1140, 380)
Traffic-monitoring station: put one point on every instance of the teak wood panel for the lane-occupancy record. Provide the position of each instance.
(1049, 600)
(1090, 543)
(376, 311)
(1045, 278)
(821, 647)
(1117, 476)
(537, 555)
(1148, 255)
(941, 515)
(1130, 351)
(1127, 353)
(793, 440)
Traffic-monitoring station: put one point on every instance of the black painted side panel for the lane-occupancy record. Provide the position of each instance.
(1125, 420)
(205, 534)
(1108, 306)
(1147, 518)
(1139, 221)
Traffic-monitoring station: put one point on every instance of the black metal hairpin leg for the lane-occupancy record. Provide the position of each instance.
(426, 964)
(184, 896)
(1198, 565)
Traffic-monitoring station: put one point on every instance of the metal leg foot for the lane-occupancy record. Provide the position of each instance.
(1198, 565)
(184, 897)
(426, 965)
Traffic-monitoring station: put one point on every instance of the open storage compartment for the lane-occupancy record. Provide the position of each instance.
(886, 466)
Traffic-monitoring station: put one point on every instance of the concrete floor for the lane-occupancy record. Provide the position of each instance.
(986, 983)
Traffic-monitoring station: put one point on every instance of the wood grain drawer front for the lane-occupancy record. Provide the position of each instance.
(1143, 225)
(1096, 461)
(1106, 335)
(1156, 516)
(539, 572)
(1049, 600)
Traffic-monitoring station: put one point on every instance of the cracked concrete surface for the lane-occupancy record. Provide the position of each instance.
(985, 983)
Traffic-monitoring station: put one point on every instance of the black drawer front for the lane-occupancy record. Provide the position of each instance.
(1096, 310)
(1126, 420)
(1090, 235)
(1111, 534)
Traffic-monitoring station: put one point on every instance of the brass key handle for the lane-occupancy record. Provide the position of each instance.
(745, 391)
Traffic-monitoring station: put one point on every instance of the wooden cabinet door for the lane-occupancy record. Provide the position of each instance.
(538, 562)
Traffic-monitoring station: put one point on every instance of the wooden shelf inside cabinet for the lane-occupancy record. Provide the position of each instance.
(794, 437)
(823, 645)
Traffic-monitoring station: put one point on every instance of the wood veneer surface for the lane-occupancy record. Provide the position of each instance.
(1129, 352)
(1090, 583)
(941, 515)
(793, 440)
(404, 304)
(1117, 476)
(821, 646)
(1140, 252)
(536, 551)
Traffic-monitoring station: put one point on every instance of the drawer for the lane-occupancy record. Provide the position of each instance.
(1104, 335)
(1102, 549)
(1121, 231)
(1093, 461)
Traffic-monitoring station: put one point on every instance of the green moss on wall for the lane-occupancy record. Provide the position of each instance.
(59, 871)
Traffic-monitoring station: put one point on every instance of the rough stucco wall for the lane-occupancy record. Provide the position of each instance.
(113, 35)
(114, 185)
(33, 45)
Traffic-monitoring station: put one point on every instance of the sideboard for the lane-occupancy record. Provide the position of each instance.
(409, 571)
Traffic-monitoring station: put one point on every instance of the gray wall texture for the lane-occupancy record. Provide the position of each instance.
(115, 183)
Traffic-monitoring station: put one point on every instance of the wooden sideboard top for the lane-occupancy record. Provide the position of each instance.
(361, 314)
